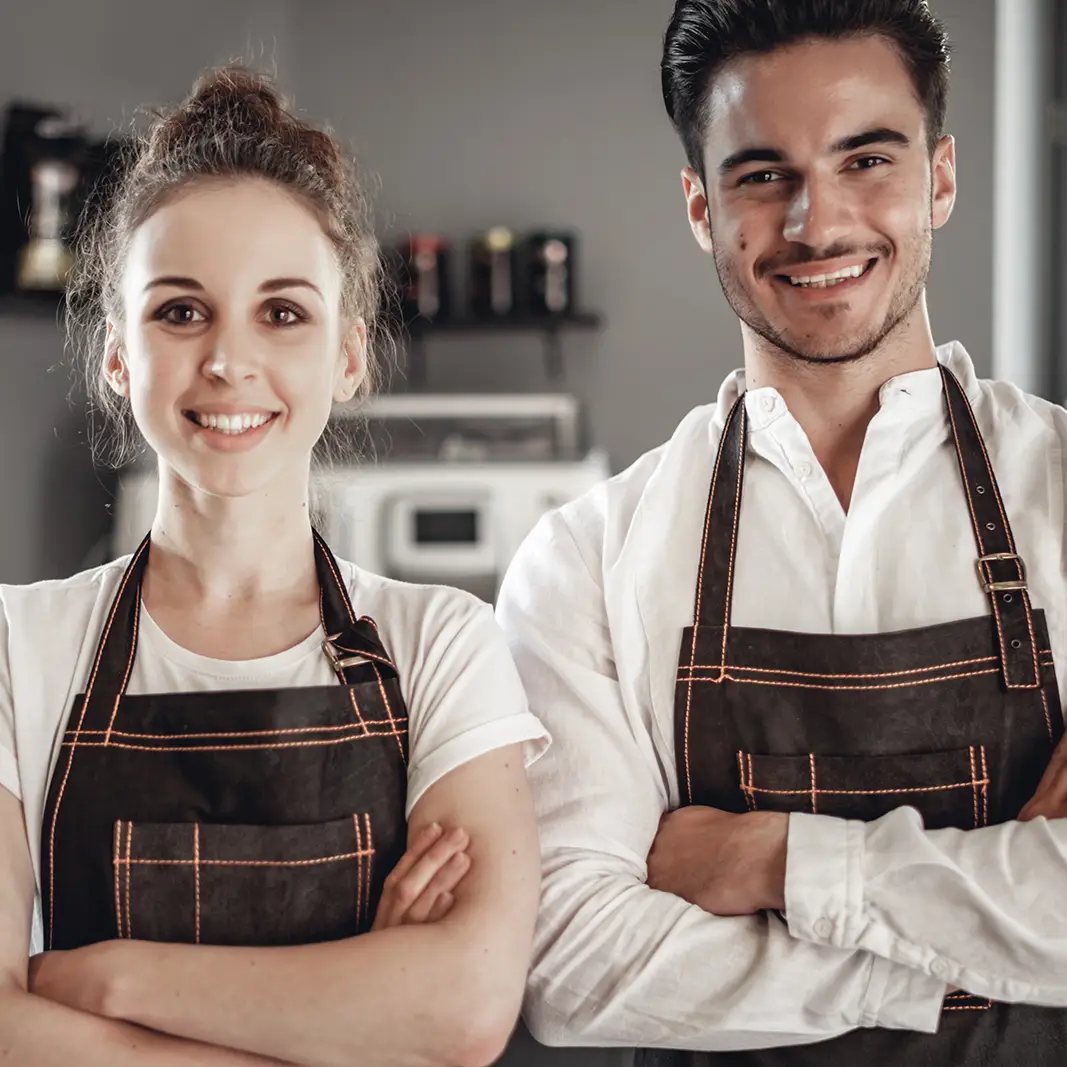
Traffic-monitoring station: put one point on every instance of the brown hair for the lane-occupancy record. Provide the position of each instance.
(233, 124)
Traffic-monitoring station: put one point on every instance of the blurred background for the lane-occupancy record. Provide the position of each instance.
(530, 181)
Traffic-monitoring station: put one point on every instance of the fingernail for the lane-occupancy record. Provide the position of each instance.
(434, 829)
(458, 835)
(447, 898)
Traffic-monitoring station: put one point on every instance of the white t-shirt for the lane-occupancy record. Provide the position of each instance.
(461, 687)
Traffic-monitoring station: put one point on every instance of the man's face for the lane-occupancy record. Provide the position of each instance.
(821, 195)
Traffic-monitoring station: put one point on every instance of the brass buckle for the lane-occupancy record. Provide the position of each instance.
(996, 587)
(337, 662)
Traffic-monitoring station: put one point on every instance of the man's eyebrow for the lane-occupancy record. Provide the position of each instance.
(767, 154)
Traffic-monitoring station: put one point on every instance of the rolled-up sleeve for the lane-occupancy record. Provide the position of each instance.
(981, 909)
(615, 962)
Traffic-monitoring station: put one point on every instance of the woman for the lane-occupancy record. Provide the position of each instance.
(212, 753)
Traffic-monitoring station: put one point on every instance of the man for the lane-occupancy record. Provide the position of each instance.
(825, 803)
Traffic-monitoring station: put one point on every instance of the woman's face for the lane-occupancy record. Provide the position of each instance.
(232, 347)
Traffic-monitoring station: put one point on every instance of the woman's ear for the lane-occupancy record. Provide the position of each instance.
(115, 368)
(352, 368)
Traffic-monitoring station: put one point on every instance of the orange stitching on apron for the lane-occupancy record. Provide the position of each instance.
(118, 881)
(1048, 719)
(340, 585)
(749, 799)
(355, 709)
(974, 518)
(733, 540)
(129, 846)
(974, 786)
(700, 595)
(246, 733)
(841, 688)
(70, 760)
(389, 713)
(200, 861)
(967, 1007)
(129, 668)
(861, 792)
(1010, 536)
(196, 876)
(369, 829)
(359, 872)
(811, 764)
(819, 674)
(985, 788)
(238, 748)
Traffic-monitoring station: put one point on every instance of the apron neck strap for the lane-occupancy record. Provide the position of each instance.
(352, 645)
(1000, 570)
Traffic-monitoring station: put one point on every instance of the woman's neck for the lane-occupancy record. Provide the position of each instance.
(218, 563)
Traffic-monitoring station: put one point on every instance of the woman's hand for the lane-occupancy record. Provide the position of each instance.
(419, 888)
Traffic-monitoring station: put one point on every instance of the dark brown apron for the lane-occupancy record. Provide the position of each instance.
(260, 817)
(957, 720)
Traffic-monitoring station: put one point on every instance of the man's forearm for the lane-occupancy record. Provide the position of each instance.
(35, 1032)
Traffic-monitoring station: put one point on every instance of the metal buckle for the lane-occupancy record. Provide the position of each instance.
(337, 662)
(996, 587)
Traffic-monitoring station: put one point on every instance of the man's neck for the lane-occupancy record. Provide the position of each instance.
(834, 403)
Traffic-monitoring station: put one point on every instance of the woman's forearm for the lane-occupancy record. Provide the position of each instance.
(413, 996)
(35, 1032)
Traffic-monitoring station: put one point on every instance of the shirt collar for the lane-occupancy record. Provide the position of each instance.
(919, 390)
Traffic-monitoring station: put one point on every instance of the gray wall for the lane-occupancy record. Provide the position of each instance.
(472, 112)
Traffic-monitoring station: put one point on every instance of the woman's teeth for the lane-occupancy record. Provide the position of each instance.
(828, 281)
(231, 423)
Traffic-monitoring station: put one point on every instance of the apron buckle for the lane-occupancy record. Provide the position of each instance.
(996, 587)
(337, 662)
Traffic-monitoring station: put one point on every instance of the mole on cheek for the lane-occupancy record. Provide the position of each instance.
(744, 243)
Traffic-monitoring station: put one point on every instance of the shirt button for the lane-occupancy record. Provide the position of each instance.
(803, 470)
(824, 928)
(940, 967)
(768, 403)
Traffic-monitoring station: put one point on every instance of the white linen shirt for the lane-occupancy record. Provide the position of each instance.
(881, 916)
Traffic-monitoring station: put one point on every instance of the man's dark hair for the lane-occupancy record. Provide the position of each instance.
(703, 35)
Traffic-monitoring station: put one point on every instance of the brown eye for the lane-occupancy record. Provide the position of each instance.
(179, 314)
(284, 315)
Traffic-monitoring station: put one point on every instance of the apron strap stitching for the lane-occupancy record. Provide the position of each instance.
(142, 548)
(733, 537)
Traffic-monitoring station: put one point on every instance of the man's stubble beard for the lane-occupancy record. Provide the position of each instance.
(909, 294)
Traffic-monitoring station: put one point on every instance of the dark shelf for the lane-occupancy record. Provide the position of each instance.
(547, 327)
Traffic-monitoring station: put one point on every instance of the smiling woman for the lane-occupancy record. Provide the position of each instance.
(253, 778)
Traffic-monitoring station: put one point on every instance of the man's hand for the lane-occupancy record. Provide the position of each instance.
(726, 864)
(1050, 799)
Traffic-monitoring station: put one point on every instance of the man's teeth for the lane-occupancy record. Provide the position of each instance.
(232, 423)
(828, 281)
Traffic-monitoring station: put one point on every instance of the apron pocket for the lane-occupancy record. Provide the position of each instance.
(949, 788)
(203, 883)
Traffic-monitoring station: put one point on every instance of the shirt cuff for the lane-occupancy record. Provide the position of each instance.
(9, 774)
(824, 879)
(824, 906)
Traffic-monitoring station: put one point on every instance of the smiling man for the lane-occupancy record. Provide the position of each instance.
(805, 802)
